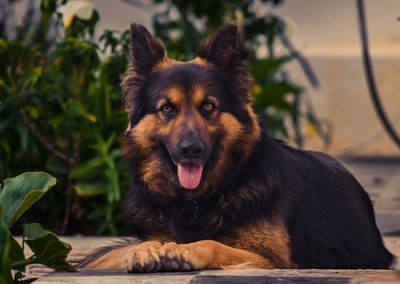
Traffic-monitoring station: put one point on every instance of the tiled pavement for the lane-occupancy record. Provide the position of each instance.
(247, 276)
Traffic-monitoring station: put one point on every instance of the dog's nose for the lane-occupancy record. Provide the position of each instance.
(191, 148)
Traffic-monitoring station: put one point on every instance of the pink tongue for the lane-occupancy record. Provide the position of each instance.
(189, 175)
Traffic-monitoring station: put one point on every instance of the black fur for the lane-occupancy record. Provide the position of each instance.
(328, 214)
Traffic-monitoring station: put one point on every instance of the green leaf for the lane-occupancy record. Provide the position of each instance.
(23, 136)
(116, 153)
(21, 192)
(85, 114)
(48, 249)
(264, 68)
(87, 168)
(5, 268)
(85, 189)
(277, 95)
(110, 140)
(281, 89)
(113, 193)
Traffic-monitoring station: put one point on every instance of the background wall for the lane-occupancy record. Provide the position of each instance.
(327, 33)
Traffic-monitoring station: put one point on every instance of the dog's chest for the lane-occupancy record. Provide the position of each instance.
(193, 222)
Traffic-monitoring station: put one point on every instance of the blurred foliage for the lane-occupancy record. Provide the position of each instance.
(60, 98)
(61, 112)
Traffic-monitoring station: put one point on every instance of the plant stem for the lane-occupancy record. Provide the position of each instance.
(42, 138)
(23, 262)
(73, 162)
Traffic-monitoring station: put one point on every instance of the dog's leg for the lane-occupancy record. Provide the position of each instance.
(208, 254)
(143, 257)
(152, 256)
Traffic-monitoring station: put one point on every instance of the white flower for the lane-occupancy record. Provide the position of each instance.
(80, 9)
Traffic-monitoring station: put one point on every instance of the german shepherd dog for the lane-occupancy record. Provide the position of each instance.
(211, 190)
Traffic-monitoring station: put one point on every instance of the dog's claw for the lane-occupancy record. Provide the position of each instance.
(174, 258)
(151, 257)
(144, 258)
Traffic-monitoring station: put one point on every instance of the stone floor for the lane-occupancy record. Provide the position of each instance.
(245, 276)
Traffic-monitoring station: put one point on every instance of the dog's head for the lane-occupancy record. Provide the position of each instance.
(189, 122)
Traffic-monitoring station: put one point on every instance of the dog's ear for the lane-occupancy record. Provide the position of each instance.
(145, 51)
(225, 47)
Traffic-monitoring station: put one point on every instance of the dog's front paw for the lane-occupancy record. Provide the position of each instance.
(184, 257)
(144, 257)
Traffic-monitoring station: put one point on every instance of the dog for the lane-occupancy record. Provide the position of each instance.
(211, 190)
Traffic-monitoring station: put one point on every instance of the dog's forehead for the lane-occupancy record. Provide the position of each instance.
(184, 79)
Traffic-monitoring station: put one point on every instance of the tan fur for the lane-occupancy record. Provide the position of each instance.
(175, 95)
(198, 96)
(255, 133)
(166, 63)
(152, 170)
(199, 61)
(209, 254)
(269, 240)
(124, 257)
(156, 179)
(250, 138)
(153, 256)
(234, 133)
(143, 129)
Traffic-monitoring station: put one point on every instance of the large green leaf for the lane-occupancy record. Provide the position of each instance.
(21, 192)
(47, 247)
(5, 268)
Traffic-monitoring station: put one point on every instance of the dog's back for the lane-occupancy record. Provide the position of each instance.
(331, 223)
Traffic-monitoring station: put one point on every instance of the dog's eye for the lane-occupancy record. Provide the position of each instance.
(207, 107)
(167, 109)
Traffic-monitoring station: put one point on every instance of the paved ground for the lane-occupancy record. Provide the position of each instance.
(228, 276)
